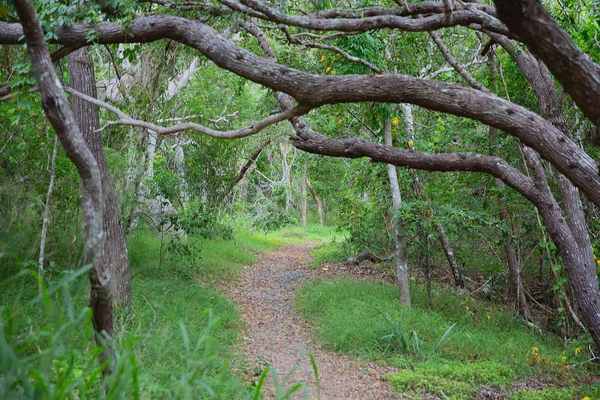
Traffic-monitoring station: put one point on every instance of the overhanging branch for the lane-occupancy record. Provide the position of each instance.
(256, 127)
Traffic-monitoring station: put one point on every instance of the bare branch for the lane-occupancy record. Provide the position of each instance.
(455, 64)
(124, 119)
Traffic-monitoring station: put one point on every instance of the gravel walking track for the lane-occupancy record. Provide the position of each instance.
(276, 335)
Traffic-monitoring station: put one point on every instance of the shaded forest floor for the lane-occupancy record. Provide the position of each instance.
(276, 335)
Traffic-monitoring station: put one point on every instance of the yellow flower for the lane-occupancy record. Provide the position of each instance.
(586, 398)
(563, 359)
(395, 121)
(534, 350)
(577, 350)
(322, 58)
(410, 144)
(339, 121)
(327, 70)
(598, 262)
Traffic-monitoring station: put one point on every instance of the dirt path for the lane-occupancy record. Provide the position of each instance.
(277, 335)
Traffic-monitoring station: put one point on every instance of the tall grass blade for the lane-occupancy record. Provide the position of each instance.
(316, 372)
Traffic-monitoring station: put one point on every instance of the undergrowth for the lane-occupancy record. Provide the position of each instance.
(490, 346)
(332, 252)
(179, 338)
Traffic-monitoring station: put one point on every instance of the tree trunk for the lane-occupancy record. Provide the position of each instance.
(55, 105)
(114, 255)
(581, 271)
(47, 207)
(286, 172)
(580, 265)
(514, 271)
(317, 199)
(459, 283)
(399, 239)
(180, 167)
(303, 207)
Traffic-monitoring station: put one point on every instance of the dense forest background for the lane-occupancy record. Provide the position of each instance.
(194, 188)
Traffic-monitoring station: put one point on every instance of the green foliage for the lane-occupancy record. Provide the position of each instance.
(46, 350)
(451, 379)
(170, 347)
(197, 220)
(587, 393)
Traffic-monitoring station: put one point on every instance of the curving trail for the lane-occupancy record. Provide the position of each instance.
(277, 335)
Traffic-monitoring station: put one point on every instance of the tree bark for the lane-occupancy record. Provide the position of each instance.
(459, 283)
(180, 167)
(114, 252)
(542, 84)
(60, 115)
(581, 271)
(574, 69)
(399, 239)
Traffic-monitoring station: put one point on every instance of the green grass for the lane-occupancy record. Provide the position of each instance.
(491, 346)
(331, 252)
(163, 335)
(167, 318)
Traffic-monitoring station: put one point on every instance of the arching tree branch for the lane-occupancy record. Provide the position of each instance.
(575, 70)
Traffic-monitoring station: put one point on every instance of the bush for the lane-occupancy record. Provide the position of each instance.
(197, 220)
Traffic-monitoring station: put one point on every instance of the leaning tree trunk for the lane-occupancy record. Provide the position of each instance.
(581, 271)
(579, 263)
(399, 239)
(114, 255)
(55, 105)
